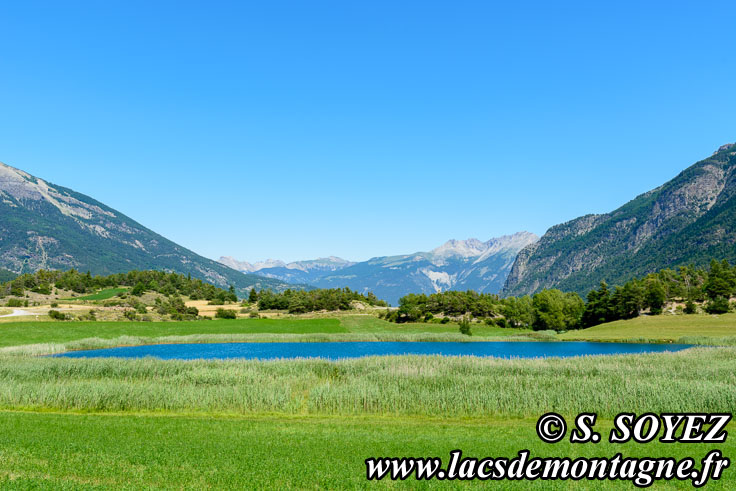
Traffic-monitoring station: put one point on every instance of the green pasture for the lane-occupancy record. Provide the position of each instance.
(134, 451)
(27, 331)
(101, 295)
(664, 328)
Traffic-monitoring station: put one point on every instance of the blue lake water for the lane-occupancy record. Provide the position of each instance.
(341, 350)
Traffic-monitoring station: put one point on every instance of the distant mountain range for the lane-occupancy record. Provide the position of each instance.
(690, 219)
(44, 226)
(297, 272)
(456, 265)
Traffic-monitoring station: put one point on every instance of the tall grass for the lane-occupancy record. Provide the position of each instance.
(698, 379)
(708, 340)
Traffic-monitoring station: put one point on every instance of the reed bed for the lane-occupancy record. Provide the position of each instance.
(708, 340)
(697, 379)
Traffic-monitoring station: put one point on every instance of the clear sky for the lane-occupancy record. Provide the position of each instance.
(300, 129)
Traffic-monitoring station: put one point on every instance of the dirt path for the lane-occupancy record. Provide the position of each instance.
(18, 313)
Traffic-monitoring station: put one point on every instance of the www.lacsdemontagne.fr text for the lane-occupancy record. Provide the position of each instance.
(551, 428)
(642, 472)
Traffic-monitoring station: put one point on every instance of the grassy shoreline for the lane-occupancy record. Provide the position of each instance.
(45, 349)
(126, 341)
(38, 338)
(697, 379)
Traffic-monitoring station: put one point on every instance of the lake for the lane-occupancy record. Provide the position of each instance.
(341, 350)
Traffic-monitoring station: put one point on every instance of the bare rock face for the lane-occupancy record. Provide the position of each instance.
(688, 219)
(44, 226)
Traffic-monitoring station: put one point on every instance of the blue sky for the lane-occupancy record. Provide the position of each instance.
(301, 129)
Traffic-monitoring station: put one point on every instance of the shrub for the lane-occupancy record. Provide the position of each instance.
(428, 317)
(254, 315)
(465, 326)
(177, 309)
(226, 314)
(138, 289)
(445, 320)
(54, 305)
(15, 302)
(56, 315)
(43, 289)
(717, 306)
(130, 315)
(690, 307)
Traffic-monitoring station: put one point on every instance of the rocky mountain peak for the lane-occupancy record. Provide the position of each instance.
(727, 146)
(45, 226)
(461, 248)
(23, 187)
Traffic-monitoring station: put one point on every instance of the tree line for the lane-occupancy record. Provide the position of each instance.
(553, 309)
(303, 301)
(169, 284)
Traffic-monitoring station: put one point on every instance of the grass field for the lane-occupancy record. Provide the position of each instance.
(101, 295)
(660, 328)
(29, 332)
(54, 451)
(101, 423)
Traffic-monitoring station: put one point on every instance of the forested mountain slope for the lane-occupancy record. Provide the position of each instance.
(690, 219)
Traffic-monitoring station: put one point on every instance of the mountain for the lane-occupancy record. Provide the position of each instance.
(296, 272)
(457, 264)
(44, 226)
(688, 220)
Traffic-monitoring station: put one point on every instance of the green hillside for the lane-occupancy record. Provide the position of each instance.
(688, 220)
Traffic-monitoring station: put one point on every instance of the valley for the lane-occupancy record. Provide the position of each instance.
(287, 410)
(675, 323)
(318, 419)
(367, 245)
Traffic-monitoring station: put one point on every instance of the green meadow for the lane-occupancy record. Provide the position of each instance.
(662, 328)
(23, 332)
(101, 295)
(131, 451)
(148, 423)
